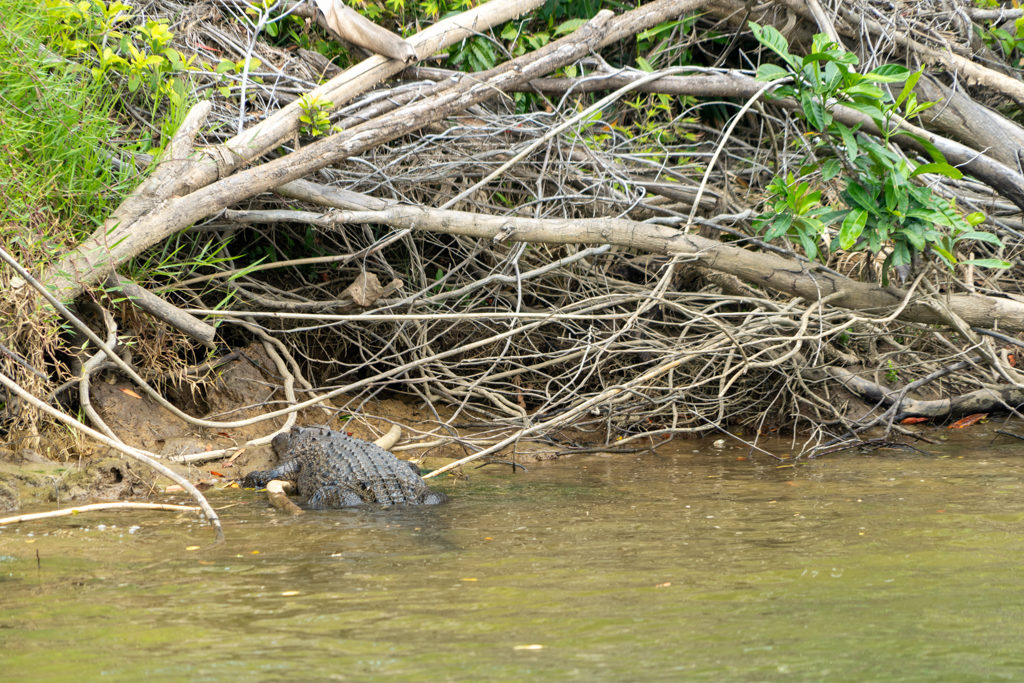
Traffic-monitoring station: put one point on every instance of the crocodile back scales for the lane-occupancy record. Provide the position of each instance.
(333, 469)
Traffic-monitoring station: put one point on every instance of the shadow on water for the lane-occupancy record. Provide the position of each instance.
(691, 564)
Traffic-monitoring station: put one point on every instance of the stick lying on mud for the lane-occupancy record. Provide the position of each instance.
(64, 512)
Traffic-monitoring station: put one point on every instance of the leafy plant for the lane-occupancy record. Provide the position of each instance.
(882, 207)
(98, 33)
(316, 116)
(1011, 44)
(55, 129)
(474, 54)
(892, 373)
(226, 66)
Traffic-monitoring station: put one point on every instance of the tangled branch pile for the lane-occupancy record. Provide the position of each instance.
(536, 253)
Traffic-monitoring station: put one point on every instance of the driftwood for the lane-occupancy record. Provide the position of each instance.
(352, 26)
(92, 507)
(159, 308)
(158, 209)
(686, 357)
(996, 399)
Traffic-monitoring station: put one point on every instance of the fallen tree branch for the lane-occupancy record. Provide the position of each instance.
(158, 308)
(148, 459)
(760, 268)
(64, 512)
(981, 401)
(94, 257)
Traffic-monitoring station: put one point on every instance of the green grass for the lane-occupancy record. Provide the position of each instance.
(56, 128)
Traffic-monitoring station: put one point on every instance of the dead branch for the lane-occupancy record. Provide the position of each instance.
(352, 26)
(764, 269)
(78, 509)
(119, 238)
(158, 308)
(980, 401)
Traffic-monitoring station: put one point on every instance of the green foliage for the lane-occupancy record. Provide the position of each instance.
(474, 54)
(882, 208)
(101, 35)
(183, 255)
(55, 128)
(892, 373)
(315, 117)
(242, 66)
(1011, 44)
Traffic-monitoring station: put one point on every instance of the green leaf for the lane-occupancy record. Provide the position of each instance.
(815, 57)
(915, 238)
(931, 149)
(875, 243)
(892, 196)
(975, 218)
(831, 168)
(989, 263)
(815, 114)
(900, 254)
(908, 87)
(862, 197)
(809, 245)
(658, 30)
(849, 141)
(929, 215)
(833, 76)
(913, 108)
(870, 109)
(829, 217)
(866, 90)
(888, 73)
(979, 236)
(941, 168)
(853, 226)
(780, 226)
(770, 37)
(769, 72)
(571, 25)
(944, 253)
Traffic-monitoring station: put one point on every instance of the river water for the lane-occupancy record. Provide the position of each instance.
(689, 564)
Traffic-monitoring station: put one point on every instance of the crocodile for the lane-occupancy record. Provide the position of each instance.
(334, 470)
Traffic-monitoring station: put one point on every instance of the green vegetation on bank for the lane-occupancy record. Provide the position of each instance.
(881, 208)
(56, 136)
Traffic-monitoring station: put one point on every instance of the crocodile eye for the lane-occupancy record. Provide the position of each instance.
(280, 443)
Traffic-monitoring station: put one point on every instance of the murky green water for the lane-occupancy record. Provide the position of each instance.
(693, 565)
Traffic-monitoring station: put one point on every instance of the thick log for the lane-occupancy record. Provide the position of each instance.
(987, 400)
